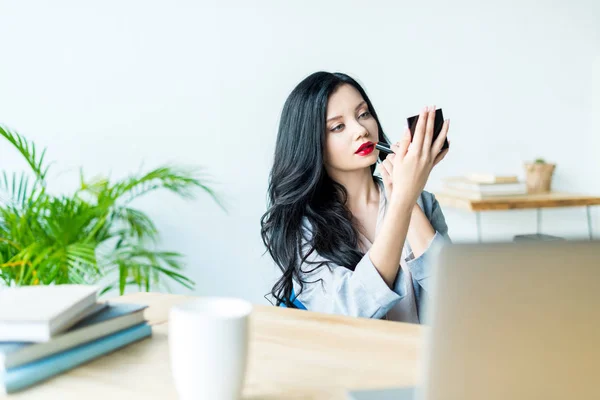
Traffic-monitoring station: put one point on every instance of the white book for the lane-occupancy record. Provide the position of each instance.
(484, 189)
(37, 313)
(490, 178)
(479, 196)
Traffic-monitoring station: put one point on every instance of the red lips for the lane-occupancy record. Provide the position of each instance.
(365, 149)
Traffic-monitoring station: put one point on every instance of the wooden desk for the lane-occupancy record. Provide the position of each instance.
(293, 354)
(529, 201)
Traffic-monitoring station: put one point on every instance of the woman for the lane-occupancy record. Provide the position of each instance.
(345, 241)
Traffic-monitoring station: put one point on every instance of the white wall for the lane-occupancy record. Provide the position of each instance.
(109, 85)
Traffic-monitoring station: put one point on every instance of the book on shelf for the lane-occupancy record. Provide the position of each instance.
(476, 196)
(465, 187)
(38, 313)
(482, 177)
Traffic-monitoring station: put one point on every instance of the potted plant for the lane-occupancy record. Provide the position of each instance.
(538, 176)
(94, 235)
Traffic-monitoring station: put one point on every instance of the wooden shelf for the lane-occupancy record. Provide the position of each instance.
(529, 201)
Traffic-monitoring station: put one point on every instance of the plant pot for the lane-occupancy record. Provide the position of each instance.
(539, 177)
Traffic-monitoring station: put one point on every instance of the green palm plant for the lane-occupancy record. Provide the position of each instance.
(94, 235)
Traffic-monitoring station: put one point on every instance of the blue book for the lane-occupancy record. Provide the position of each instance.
(19, 378)
(112, 318)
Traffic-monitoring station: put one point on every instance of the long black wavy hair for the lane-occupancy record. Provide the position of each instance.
(299, 187)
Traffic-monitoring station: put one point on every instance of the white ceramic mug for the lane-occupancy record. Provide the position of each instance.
(208, 344)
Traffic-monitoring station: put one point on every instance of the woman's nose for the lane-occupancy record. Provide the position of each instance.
(361, 131)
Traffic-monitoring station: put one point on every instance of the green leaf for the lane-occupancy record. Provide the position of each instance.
(138, 223)
(176, 180)
(92, 234)
(122, 278)
(16, 190)
(28, 151)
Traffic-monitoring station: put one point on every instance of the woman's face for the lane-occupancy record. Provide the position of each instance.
(351, 132)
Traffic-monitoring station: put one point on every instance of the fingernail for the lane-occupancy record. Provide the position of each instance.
(433, 108)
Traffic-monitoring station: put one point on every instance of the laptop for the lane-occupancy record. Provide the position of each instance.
(511, 321)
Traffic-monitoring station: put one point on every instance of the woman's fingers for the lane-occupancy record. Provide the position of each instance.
(400, 148)
(386, 174)
(386, 169)
(428, 138)
(419, 136)
(388, 165)
(439, 141)
(440, 157)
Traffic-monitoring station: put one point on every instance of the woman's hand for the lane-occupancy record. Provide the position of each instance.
(409, 168)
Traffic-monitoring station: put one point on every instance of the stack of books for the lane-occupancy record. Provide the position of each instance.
(482, 186)
(47, 330)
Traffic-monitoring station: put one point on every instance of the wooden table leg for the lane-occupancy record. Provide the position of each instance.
(478, 220)
(589, 221)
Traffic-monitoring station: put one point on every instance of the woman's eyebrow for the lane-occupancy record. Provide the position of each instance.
(339, 116)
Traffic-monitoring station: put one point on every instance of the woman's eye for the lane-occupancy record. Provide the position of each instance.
(337, 128)
(364, 115)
